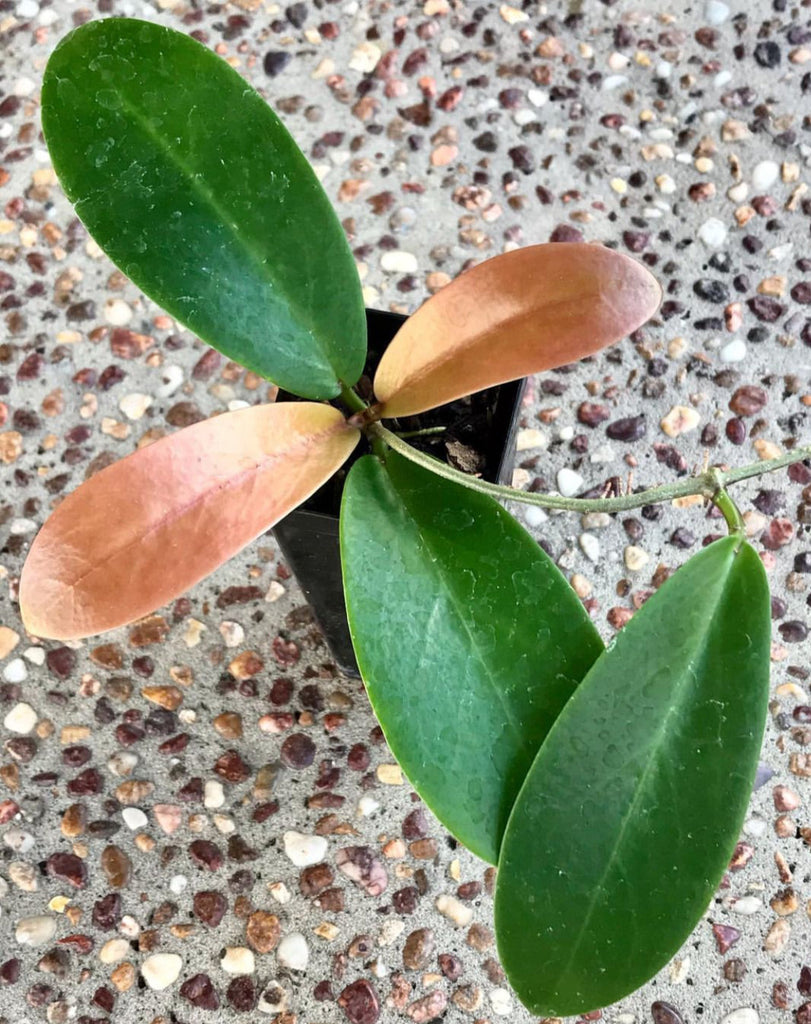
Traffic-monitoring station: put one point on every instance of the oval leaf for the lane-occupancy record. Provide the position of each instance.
(194, 188)
(513, 315)
(467, 636)
(631, 811)
(147, 528)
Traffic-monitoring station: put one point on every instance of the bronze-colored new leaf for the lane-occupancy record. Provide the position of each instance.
(516, 314)
(145, 529)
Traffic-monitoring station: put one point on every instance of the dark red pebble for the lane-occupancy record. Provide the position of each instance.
(107, 911)
(241, 993)
(10, 971)
(665, 1013)
(205, 854)
(630, 428)
(298, 751)
(67, 867)
(200, 992)
(61, 661)
(360, 1003)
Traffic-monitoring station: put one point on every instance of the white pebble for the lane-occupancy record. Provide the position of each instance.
(21, 719)
(590, 546)
(238, 960)
(232, 633)
(178, 884)
(747, 905)
(569, 482)
(280, 892)
(611, 82)
(734, 352)
(20, 527)
(3, 887)
(454, 910)
(595, 520)
(134, 406)
(713, 233)
(18, 840)
(398, 261)
(134, 818)
(122, 762)
(172, 378)
(743, 1015)
(755, 827)
(602, 455)
(214, 795)
(293, 952)
(114, 950)
(15, 671)
(765, 175)
(161, 970)
(36, 655)
(390, 932)
(537, 97)
(304, 850)
(35, 931)
(27, 9)
(129, 927)
(117, 312)
(534, 516)
(529, 439)
(715, 12)
(367, 805)
(635, 558)
(501, 1002)
(365, 57)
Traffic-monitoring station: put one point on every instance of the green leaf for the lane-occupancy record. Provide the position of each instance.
(194, 188)
(467, 636)
(631, 811)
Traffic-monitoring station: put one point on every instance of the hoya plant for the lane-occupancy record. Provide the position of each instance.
(609, 785)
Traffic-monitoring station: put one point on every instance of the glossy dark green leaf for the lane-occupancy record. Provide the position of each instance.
(631, 811)
(194, 188)
(468, 638)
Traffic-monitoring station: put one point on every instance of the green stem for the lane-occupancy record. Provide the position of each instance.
(427, 432)
(353, 400)
(709, 484)
(731, 512)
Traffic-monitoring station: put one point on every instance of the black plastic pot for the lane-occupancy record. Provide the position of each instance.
(308, 537)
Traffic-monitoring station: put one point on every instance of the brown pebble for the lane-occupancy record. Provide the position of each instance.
(748, 400)
(74, 820)
(117, 867)
(418, 949)
(169, 697)
(228, 725)
(314, 879)
(210, 907)
(263, 931)
(428, 1008)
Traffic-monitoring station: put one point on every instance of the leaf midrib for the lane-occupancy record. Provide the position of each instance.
(652, 760)
(472, 637)
(178, 512)
(196, 185)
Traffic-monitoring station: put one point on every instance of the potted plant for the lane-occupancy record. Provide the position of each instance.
(608, 784)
